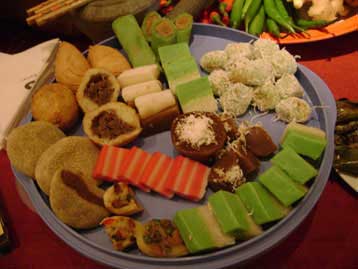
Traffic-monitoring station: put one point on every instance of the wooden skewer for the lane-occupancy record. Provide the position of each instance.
(53, 6)
(31, 11)
(60, 11)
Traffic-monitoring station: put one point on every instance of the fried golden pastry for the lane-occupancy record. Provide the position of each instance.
(160, 238)
(107, 58)
(70, 66)
(55, 103)
(26, 143)
(121, 231)
(76, 201)
(113, 124)
(120, 199)
(98, 87)
(72, 152)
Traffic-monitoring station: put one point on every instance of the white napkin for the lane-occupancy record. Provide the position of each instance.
(21, 74)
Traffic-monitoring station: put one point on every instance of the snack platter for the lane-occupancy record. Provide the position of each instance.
(94, 243)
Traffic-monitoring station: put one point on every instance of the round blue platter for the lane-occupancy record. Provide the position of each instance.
(96, 245)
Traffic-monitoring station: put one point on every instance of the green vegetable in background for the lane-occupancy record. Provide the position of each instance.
(251, 12)
(246, 6)
(235, 15)
(309, 24)
(273, 28)
(271, 11)
(256, 26)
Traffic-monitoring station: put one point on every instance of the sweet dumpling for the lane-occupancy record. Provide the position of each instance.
(70, 66)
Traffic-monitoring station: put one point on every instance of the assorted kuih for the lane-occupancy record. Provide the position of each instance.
(211, 147)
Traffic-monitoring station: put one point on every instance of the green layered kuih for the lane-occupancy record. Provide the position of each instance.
(232, 215)
(260, 203)
(133, 41)
(282, 186)
(174, 53)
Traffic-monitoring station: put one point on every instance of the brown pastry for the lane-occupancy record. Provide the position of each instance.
(198, 135)
(98, 87)
(247, 160)
(73, 153)
(75, 200)
(119, 199)
(157, 111)
(70, 66)
(230, 125)
(226, 173)
(112, 124)
(26, 143)
(55, 103)
(107, 58)
(259, 142)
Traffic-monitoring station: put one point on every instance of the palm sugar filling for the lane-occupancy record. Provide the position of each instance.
(99, 89)
(76, 183)
(107, 125)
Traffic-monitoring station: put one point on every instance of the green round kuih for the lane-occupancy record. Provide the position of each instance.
(161, 38)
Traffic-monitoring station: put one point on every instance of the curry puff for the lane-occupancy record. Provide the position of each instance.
(107, 58)
(113, 124)
(72, 152)
(70, 66)
(76, 201)
(97, 88)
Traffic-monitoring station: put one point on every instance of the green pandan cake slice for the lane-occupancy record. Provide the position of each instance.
(174, 53)
(200, 230)
(181, 71)
(294, 165)
(305, 140)
(232, 215)
(263, 206)
(196, 95)
(282, 186)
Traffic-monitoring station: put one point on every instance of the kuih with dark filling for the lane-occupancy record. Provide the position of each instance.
(112, 124)
(98, 87)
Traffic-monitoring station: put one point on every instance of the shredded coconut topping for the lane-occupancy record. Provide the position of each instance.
(196, 130)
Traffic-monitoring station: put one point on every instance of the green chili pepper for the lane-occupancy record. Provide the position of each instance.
(281, 9)
(273, 28)
(251, 12)
(271, 11)
(257, 25)
(245, 8)
(235, 15)
(308, 24)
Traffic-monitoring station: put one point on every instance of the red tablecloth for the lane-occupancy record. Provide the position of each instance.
(328, 238)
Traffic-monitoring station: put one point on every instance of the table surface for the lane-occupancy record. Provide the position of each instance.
(327, 238)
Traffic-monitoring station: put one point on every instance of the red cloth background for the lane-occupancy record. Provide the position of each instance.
(327, 238)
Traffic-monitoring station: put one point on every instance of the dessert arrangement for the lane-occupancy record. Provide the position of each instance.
(93, 180)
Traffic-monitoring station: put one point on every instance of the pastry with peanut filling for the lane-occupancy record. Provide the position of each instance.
(119, 199)
(70, 66)
(76, 201)
(113, 124)
(97, 88)
(198, 135)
